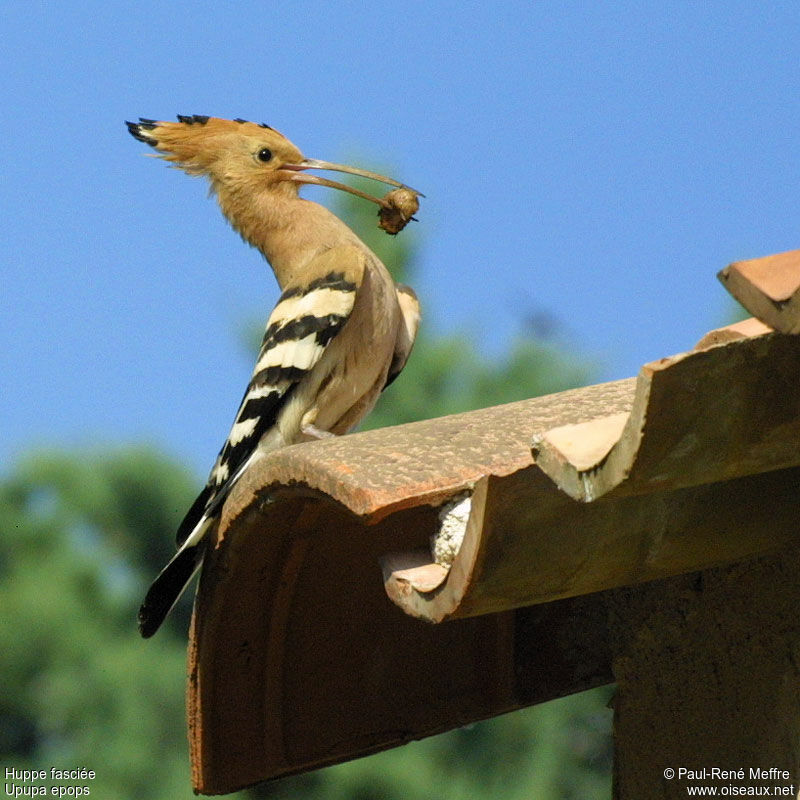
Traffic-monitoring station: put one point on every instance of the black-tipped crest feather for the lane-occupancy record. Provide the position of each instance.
(191, 119)
(135, 129)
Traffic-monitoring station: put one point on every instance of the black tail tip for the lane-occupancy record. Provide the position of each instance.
(168, 587)
(148, 624)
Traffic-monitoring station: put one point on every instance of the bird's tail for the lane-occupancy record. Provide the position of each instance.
(168, 587)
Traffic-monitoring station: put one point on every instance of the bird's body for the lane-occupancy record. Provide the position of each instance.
(340, 332)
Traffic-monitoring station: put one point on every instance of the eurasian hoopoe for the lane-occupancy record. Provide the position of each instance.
(339, 334)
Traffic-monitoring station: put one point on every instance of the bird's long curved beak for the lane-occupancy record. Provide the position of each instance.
(298, 176)
(314, 163)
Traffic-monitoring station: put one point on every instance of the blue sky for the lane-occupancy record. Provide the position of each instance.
(597, 161)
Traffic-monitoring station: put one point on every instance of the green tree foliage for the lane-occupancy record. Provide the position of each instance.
(84, 532)
(78, 689)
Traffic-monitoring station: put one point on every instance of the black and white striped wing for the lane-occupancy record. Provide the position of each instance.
(302, 324)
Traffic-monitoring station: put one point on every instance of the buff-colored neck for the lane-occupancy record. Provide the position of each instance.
(288, 230)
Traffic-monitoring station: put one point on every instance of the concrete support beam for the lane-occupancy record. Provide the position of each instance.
(708, 674)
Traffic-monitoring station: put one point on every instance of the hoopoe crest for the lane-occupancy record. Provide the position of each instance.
(341, 331)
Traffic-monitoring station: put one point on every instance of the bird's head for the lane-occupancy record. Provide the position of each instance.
(240, 155)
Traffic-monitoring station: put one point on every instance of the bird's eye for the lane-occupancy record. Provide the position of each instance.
(264, 154)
